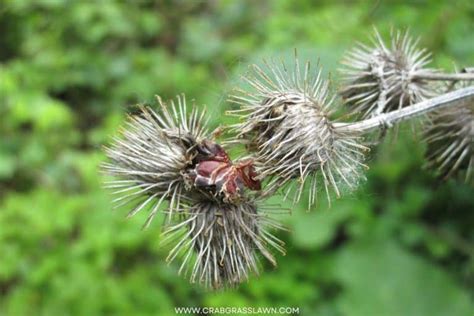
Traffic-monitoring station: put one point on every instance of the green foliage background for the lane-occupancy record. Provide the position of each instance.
(403, 244)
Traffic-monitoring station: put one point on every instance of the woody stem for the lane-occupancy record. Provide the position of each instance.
(385, 120)
(443, 76)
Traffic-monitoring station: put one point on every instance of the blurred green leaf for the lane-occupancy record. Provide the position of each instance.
(70, 71)
(380, 278)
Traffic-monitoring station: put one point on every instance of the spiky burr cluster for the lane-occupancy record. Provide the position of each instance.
(218, 242)
(379, 78)
(450, 137)
(286, 124)
(169, 156)
(294, 142)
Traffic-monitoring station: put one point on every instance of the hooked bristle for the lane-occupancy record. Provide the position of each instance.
(150, 158)
(287, 126)
(219, 243)
(450, 137)
(380, 78)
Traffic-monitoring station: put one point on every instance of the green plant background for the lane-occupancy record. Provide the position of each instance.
(402, 244)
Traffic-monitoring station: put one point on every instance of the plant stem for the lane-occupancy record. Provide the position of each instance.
(443, 76)
(386, 120)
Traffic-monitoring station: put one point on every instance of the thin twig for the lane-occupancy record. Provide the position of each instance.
(443, 76)
(386, 120)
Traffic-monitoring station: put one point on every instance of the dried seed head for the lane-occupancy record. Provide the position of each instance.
(151, 158)
(219, 243)
(381, 78)
(167, 156)
(286, 123)
(450, 137)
